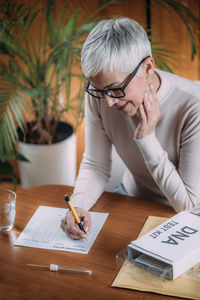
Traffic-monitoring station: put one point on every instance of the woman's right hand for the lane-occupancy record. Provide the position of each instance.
(70, 227)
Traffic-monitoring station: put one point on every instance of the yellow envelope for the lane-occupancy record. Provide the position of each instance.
(132, 277)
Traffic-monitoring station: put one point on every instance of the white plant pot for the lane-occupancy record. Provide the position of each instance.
(49, 164)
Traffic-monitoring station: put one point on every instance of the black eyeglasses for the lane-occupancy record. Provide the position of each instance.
(116, 92)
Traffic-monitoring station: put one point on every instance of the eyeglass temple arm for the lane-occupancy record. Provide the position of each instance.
(134, 72)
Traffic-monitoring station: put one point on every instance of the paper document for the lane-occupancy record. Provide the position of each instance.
(43, 231)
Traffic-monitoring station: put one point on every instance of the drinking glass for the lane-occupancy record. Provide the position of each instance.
(7, 209)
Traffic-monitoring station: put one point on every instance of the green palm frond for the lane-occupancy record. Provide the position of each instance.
(191, 21)
(11, 112)
(164, 58)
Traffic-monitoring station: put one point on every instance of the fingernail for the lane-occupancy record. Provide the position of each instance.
(151, 86)
(145, 95)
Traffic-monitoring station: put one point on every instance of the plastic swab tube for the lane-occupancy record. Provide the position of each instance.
(57, 268)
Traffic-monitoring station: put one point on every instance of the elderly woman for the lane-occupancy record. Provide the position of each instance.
(152, 118)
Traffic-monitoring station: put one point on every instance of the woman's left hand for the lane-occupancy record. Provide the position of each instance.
(149, 114)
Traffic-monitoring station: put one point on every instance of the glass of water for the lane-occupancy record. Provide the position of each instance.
(7, 209)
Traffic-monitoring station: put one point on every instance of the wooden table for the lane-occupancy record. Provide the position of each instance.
(126, 218)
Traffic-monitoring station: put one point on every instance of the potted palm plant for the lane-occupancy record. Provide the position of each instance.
(40, 85)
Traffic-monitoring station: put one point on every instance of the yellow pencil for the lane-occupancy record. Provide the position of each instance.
(70, 206)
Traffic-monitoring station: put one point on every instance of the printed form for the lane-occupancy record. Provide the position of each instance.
(43, 231)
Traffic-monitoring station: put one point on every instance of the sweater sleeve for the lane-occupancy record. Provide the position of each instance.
(96, 163)
(180, 185)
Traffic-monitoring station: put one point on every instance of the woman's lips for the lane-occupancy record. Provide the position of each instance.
(122, 107)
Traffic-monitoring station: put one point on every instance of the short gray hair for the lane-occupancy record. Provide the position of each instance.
(114, 45)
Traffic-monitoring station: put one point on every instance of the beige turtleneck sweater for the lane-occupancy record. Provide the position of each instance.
(163, 166)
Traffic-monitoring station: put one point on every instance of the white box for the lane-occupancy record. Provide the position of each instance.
(171, 248)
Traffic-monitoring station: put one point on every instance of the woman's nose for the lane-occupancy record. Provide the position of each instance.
(110, 101)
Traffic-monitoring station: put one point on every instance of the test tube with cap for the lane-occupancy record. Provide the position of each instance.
(60, 268)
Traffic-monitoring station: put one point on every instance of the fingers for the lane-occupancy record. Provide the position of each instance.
(87, 221)
(142, 113)
(151, 106)
(70, 227)
(64, 227)
(149, 113)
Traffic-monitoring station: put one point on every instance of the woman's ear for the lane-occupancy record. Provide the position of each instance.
(148, 67)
